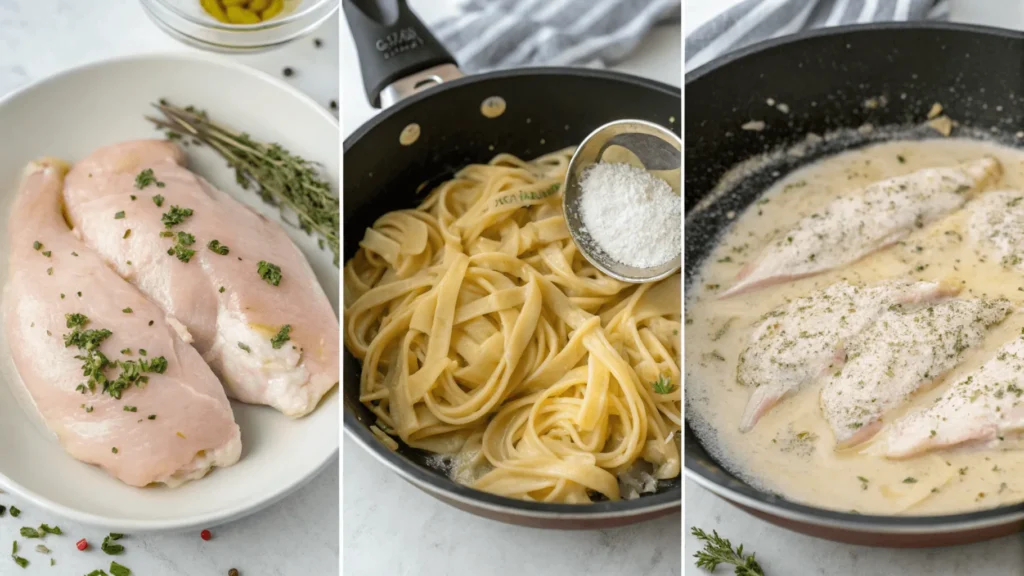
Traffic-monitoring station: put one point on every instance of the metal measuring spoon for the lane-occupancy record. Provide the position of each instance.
(658, 150)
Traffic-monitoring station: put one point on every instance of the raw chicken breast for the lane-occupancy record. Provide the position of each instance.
(997, 226)
(145, 214)
(982, 408)
(906, 349)
(800, 342)
(65, 310)
(856, 225)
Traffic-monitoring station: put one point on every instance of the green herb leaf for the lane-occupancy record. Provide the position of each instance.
(146, 178)
(37, 245)
(663, 385)
(216, 246)
(718, 550)
(181, 248)
(119, 215)
(27, 532)
(281, 337)
(109, 545)
(15, 512)
(244, 347)
(55, 530)
(118, 570)
(158, 200)
(910, 480)
(269, 272)
(176, 215)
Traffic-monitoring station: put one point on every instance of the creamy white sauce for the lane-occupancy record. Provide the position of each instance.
(790, 450)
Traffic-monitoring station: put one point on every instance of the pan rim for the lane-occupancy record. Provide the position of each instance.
(440, 89)
(791, 510)
(756, 47)
(439, 486)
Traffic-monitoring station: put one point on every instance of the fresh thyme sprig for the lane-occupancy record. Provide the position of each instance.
(282, 179)
(718, 550)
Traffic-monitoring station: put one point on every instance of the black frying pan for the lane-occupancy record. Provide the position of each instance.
(546, 109)
(825, 77)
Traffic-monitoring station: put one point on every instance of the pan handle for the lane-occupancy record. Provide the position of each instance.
(398, 56)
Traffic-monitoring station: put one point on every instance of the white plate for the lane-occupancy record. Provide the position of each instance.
(68, 116)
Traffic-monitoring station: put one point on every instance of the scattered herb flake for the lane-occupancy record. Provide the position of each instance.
(216, 246)
(269, 272)
(145, 178)
(281, 337)
(176, 215)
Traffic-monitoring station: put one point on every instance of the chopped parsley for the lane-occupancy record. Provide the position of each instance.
(216, 246)
(661, 386)
(127, 310)
(15, 512)
(146, 178)
(18, 559)
(269, 272)
(119, 215)
(151, 417)
(130, 409)
(158, 200)
(221, 290)
(47, 253)
(244, 346)
(281, 337)
(181, 248)
(118, 570)
(109, 545)
(114, 450)
(176, 215)
(37, 245)
(127, 233)
(910, 480)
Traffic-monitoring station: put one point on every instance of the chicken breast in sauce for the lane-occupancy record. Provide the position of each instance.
(857, 224)
(908, 348)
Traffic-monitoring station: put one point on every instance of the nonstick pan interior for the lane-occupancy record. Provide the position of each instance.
(545, 110)
(854, 85)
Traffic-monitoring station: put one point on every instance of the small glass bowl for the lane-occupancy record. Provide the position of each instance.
(186, 21)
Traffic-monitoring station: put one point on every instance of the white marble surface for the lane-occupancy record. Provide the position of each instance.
(392, 528)
(298, 535)
(781, 552)
(787, 553)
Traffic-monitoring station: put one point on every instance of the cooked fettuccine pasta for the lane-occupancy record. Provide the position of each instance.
(487, 338)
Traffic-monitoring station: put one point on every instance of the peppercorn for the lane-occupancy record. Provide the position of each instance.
(334, 104)
(288, 71)
(318, 42)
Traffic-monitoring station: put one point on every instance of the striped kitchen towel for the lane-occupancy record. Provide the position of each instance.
(751, 21)
(492, 34)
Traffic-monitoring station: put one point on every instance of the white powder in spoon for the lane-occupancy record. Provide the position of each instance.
(633, 216)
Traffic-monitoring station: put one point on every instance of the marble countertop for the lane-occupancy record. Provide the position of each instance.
(296, 536)
(780, 551)
(392, 528)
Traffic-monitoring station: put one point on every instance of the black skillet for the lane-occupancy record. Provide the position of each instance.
(826, 78)
(545, 109)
